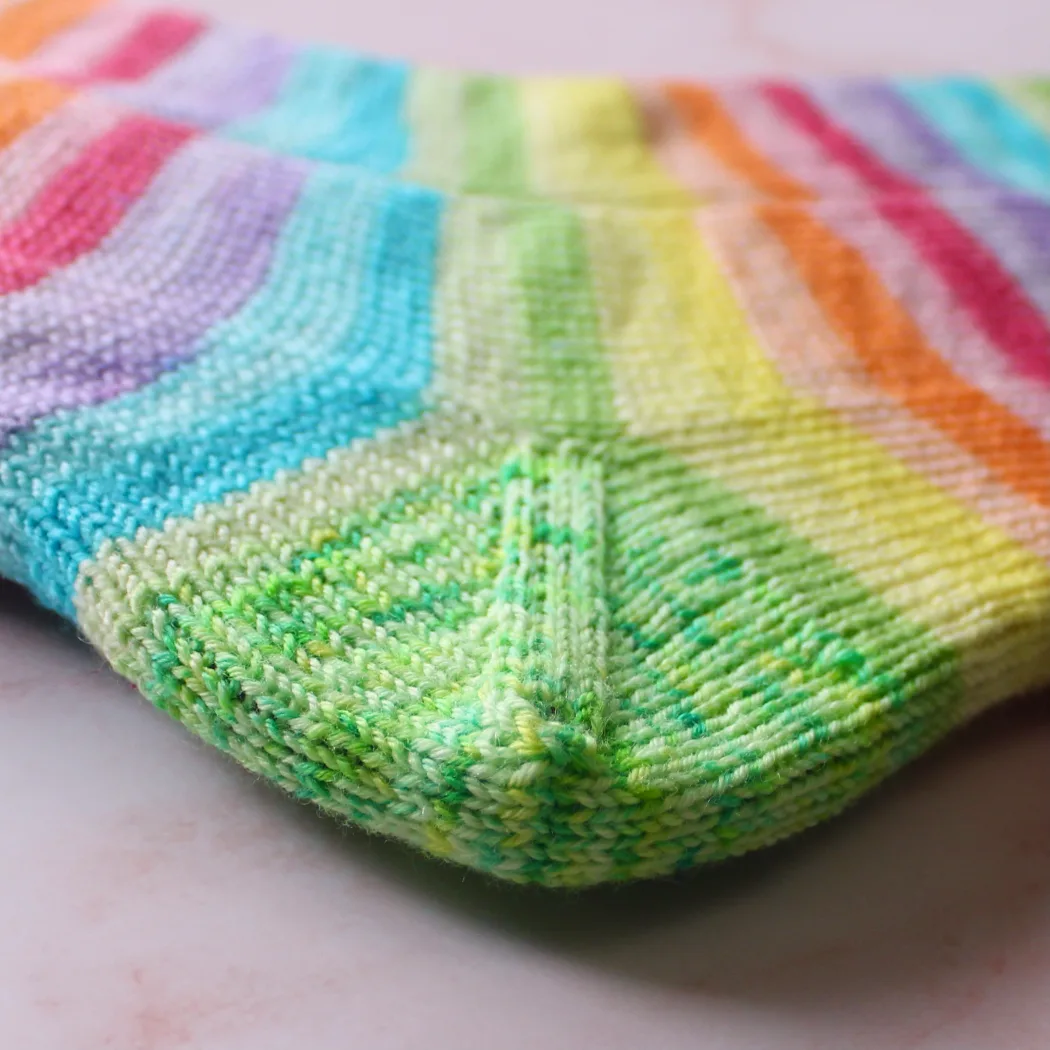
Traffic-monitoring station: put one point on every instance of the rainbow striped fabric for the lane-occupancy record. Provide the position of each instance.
(577, 479)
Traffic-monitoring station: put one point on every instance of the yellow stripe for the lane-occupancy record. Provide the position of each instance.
(586, 141)
(812, 358)
(691, 373)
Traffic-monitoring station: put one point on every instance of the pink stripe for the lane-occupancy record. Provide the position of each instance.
(77, 209)
(850, 213)
(81, 47)
(40, 153)
(933, 307)
(160, 36)
(993, 298)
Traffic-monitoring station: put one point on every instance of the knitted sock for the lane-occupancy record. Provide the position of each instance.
(566, 527)
(489, 134)
(455, 131)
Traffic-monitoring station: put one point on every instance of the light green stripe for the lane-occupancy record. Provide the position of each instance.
(495, 161)
(1032, 96)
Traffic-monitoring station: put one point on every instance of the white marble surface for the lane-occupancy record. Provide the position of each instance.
(155, 897)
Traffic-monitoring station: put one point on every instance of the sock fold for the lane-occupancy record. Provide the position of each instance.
(579, 480)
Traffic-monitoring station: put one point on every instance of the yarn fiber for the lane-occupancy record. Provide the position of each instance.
(578, 479)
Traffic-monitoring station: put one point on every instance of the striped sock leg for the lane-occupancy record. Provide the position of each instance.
(639, 503)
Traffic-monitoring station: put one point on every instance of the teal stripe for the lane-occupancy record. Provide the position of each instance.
(1031, 97)
(336, 345)
(337, 108)
(985, 128)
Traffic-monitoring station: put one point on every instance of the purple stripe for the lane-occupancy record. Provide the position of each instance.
(1014, 225)
(191, 252)
(878, 115)
(225, 76)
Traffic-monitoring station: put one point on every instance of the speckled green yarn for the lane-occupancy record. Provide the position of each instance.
(577, 479)
(492, 619)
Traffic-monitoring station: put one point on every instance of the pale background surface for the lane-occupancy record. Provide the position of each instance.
(155, 897)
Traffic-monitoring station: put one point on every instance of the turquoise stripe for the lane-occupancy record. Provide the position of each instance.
(338, 108)
(336, 345)
(985, 128)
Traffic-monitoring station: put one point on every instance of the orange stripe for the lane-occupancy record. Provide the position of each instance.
(897, 357)
(24, 103)
(25, 26)
(869, 319)
(710, 125)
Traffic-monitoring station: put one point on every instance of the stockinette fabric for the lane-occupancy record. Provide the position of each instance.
(579, 480)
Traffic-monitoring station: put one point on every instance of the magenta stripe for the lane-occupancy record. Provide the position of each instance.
(157, 38)
(1013, 224)
(992, 297)
(226, 75)
(73, 212)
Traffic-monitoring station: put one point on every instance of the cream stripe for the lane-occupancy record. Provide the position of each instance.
(705, 178)
(39, 153)
(479, 312)
(888, 253)
(812, 359)
(76, 49)
(934, 309)
(437, 132)
(690, 373)
(252, 533)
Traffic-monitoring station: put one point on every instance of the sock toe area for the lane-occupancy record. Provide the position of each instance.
(556, 661)
(410, 634)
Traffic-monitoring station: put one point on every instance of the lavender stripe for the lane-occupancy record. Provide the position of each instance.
(189, 253)
(226, 75)
(1014, 225)
(849, 212)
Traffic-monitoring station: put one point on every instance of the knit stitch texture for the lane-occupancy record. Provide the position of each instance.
(578, 479)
